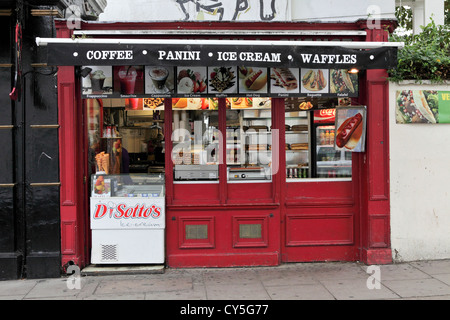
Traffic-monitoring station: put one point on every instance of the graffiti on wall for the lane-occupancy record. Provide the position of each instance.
(229, 11)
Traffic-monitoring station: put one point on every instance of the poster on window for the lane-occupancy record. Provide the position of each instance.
(422, 106)
(350, 128)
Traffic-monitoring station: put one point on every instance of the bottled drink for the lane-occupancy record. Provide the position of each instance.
(322, 137)
(327, 137)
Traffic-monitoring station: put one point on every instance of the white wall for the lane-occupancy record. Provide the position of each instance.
(420, 186)
(170, 10)
(424, 9)
(335, 10)
(286, 10)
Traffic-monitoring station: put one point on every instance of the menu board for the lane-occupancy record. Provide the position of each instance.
(215, 82)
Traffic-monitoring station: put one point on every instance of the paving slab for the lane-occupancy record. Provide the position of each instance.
(445, 278)
(53, 288)
(299, 292)
(237, 276)
(418, 287)
(357, 289)
(399, 272)
(118, 296)
(142, 285)
(253, 291)
(16, 288)
(198, 292)
(332, 270)
(433, 267)
(281, 277)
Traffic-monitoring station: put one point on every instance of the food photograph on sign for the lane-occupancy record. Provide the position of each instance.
(419, 106)
(249, 103)
(134, 104)
(284, 80)
(97, 80)
(314, 80)
(191, 80)
(350, 128)
(153, 104)
(222, 80)
(252, 80)
(343, 82)
(190, 103)
(159, 80)
(128, 80)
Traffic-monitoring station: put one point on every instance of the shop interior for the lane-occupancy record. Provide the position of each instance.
(130, 133)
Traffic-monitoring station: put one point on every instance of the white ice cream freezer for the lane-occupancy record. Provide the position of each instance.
(127, 215)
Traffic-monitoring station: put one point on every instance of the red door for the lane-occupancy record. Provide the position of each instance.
(319, 216)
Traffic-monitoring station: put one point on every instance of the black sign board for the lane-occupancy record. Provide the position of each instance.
(223, 70)
(326, 57)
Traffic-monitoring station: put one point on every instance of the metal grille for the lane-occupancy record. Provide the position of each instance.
(109, 252)
(196, 231)
(250, 231)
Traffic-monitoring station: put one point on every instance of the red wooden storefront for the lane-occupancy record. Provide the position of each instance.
(305, 221)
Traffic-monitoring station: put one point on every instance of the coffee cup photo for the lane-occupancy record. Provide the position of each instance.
(98, 81)
(158, 79)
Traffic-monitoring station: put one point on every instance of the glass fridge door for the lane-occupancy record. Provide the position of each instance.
(331, 163)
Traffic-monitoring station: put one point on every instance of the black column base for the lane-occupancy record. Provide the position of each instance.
(44, 265)
(10, 266)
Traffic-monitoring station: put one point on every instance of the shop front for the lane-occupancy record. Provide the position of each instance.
(256, 151)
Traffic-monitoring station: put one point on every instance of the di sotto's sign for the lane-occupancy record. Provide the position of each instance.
(127, 213)
(422, 106)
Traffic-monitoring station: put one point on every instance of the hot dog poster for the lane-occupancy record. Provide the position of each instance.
(350, 128)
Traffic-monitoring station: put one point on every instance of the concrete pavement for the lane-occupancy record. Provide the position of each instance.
(296, 281)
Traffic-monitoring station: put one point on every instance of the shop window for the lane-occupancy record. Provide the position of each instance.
(249, 139)
(129, 132)
(195, 137)
(310, 141)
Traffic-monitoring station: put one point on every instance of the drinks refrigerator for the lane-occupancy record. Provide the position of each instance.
(327, 161)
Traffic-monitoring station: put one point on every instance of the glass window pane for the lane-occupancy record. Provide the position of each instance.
(195, 137)
(310, 141)
(249, 139)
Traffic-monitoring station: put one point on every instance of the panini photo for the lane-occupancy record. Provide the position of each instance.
(284, 79)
